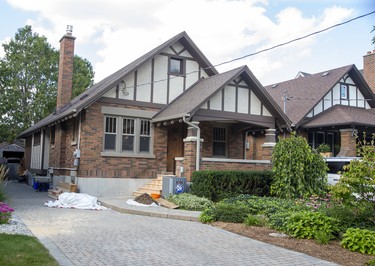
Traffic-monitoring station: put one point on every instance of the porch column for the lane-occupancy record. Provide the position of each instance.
(269, 144)
(348, 142)
(190, 152)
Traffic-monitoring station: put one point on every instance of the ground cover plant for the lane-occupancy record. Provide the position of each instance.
(3, 172)
(23, 250)
(190, 202)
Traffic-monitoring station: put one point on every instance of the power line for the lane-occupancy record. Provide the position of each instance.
(261, 51)
(294, 40)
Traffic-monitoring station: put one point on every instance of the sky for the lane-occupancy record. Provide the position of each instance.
(112, 33)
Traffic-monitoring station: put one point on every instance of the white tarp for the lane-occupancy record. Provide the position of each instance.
(76, 201)
(134, 203)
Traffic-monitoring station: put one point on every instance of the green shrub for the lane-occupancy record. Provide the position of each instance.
(350, 216)
(305, 224)
(255, 220)
(221, 211)
(190, 202)
(356, 187)
(207, 216)
(279, 220)
(322, 237)
(359, 240)
(218, 185)
(298, 170)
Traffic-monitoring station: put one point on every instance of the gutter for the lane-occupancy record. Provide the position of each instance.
(197, 157)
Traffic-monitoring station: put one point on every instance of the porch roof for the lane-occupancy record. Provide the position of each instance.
(340, 115)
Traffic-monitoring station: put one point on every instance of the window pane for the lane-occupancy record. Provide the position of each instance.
(145, 128)
(128, 126)
(110, 142)
(175, 66)
(110, 124)
(144, 145)
(127, 143)
(219, 149)
(219, 134)
(344, 91)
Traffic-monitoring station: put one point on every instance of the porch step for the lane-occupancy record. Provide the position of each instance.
(155, 186)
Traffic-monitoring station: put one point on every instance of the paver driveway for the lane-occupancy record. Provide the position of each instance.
(85, 237)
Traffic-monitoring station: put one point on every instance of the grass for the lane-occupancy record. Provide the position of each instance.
(23, 250)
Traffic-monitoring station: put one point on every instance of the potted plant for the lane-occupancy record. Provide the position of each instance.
(324, 150)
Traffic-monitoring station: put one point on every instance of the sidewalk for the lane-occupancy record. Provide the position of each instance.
(120, 204)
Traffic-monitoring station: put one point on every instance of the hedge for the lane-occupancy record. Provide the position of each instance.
(217, 185)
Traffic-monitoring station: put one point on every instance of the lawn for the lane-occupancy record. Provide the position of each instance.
(23, 250)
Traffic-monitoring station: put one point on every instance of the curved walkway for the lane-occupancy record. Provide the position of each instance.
(85, 237)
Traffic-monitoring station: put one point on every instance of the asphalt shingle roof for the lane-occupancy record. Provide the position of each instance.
(305, 92)
(339, 115)
(99, 89)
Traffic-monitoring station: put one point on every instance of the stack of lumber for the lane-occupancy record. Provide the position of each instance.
(61, 188)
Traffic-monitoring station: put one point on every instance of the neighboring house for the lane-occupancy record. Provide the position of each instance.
(332, 106)
(168, 111)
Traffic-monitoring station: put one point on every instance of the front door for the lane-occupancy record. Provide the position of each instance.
(176, 134)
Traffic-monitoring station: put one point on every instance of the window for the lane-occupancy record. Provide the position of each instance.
(131, 136)
(37, 138)
(145, 135)
(344, 91)
(128, 134)
(110, 133)
(175, 66)
(219, 142)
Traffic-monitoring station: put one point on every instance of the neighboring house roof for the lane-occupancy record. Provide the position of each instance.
(188, 103)
(340, 115)
(305, 92)
(5, 146)
(99, 89)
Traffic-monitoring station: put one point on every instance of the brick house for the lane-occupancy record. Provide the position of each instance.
(168, 111)
(331, 107)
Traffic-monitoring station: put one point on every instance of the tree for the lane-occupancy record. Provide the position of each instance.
(28, 81)
(356, 187)
(298, 170)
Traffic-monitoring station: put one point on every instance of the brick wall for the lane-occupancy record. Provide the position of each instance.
(92, 164)
(348, 143)
(209, 165)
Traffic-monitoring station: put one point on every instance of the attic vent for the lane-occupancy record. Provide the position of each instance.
(325, 74)
(274, 86)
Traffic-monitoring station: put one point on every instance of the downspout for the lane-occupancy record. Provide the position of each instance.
(198, 141)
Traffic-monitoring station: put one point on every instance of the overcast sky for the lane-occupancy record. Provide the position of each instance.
(113, 33)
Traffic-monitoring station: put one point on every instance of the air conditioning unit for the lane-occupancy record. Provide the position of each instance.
(173, 185)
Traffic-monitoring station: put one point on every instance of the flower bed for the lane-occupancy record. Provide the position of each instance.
(5, 213)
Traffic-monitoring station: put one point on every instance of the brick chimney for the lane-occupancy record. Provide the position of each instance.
(369, 69)
(65, 79)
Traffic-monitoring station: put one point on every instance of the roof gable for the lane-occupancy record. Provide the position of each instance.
(197, 95)
(300, 96)
(96, 91)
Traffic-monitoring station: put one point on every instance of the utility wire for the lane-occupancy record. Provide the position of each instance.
(294, 40)
(261, 51)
